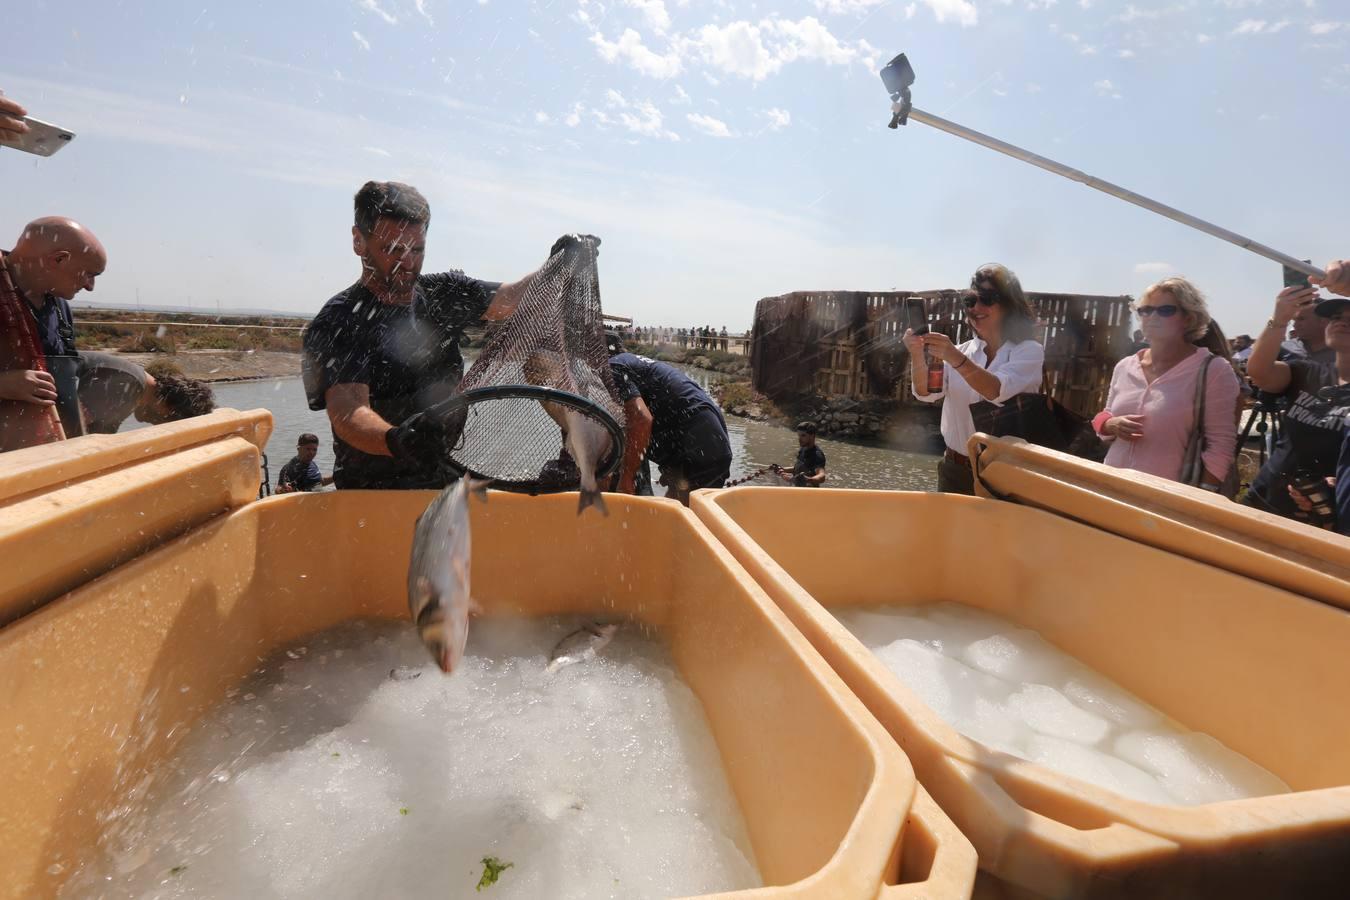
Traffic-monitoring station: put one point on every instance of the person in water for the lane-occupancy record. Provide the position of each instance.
(809, 470)
(302, 472)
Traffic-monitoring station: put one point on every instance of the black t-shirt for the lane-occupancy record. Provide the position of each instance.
(810, 460)
(407, 355)
(1314, 427)
(110, 388)
(672, 397)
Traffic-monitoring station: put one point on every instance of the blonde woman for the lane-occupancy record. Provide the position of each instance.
(1150, 410)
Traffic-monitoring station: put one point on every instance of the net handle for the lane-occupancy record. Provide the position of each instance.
(447, 408)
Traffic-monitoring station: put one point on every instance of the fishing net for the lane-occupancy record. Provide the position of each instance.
(546, 361)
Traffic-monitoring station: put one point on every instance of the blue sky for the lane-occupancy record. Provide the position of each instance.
(724, 151)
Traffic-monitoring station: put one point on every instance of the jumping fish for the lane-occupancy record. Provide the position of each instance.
(581, 645)
(588, 442)
(438, 573)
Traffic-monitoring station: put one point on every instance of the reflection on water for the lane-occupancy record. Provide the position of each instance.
(753, 444)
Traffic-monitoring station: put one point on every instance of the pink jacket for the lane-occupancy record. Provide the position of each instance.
(1168, 408)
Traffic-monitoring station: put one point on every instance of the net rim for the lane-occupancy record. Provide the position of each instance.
(586, 406)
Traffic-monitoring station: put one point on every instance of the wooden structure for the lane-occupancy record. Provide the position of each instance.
(849, 343)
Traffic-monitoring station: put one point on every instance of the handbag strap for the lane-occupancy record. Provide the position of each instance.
(1198, 427)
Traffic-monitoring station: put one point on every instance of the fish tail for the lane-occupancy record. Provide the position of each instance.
(478, 486)
(592, 497)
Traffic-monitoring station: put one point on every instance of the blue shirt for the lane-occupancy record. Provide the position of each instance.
(673, 398)
(301, 476)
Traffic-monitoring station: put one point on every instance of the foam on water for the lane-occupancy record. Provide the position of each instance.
(1010, 689)
(327, 777)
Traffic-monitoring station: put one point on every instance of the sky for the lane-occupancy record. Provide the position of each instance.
(724, 151)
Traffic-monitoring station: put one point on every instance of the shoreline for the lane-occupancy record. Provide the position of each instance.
(225, 366)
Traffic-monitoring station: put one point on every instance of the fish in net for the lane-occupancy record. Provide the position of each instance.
(540, 409)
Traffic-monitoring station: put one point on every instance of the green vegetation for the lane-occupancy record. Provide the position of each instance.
(103, 328)
(492, 868)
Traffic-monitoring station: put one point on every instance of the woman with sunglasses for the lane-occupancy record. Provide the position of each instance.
(1150, 408)
(998, 363)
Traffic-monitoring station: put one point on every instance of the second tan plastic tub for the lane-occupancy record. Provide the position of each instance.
(1262, 670)
(98, 686)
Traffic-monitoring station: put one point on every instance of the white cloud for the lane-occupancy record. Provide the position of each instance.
(1153, 268)
(365, 44)
(574, 117)
(708, 125)
(809, 39)
(681, 96)
(846, 6)
(422, 11)
(654, 11)
(1325, 27)
(1259, 26)
(378, 151)
(778, 118)
(542, 117)
(962, 12)
(1125, 54)
(1033, 88)
(630, 49)
(372, 7)
(737, 49)
(1203, 39)
(1105, 88)
(638, 116)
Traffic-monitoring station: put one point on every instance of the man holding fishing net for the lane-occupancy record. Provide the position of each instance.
(383, 351)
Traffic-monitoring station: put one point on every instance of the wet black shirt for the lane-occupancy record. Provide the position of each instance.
(1314, 428)
(810, 460)
(110, 388)
(407, 355)
(673, 398)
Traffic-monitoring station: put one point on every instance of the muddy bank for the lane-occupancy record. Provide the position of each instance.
(226, 365)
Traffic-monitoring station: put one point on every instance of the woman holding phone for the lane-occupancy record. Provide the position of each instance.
(1150, 410)
(1001, 361)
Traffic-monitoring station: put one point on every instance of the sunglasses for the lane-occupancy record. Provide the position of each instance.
(982, 299)
(1167, 311)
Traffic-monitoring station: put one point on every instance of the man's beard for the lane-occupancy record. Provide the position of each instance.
(391, 287)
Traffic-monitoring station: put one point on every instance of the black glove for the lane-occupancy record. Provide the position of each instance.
(419, 440)
(574, 241)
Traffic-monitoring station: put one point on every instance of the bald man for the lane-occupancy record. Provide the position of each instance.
(54, 259)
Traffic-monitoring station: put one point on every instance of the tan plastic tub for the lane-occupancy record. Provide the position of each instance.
(1260, 669)
(73, 510)
(1175, 517)
(98, 684)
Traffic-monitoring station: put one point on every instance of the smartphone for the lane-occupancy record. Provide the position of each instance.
(916, 315)
(1295, 278)
(43, 138)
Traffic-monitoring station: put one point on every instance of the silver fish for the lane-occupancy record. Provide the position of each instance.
(589, 443)
(581, 645)
(438, 573)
